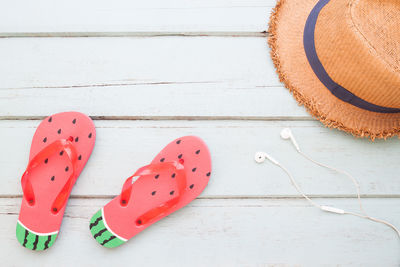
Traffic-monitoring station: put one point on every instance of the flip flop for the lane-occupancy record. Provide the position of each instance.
(176, 176)
(60, 149)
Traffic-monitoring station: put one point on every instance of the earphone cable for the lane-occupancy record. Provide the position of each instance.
(287, 135)
(293, 181)
(356, 184)
(332, 209)
(375, 220)
(348, 175)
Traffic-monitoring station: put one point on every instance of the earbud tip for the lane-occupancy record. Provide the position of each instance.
(259, 157)
(285, 133)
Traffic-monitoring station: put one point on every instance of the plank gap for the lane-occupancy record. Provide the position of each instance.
(238, 197)
(129, 34)
(177, 118)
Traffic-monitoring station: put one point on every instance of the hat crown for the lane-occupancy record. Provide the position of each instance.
(378, 22)
(357, 43)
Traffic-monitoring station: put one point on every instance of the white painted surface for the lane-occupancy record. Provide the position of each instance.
(223, 89)
(220, 232)
(24, 16)
(134, 77)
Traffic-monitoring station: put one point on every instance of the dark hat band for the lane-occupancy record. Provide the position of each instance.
(319, 70)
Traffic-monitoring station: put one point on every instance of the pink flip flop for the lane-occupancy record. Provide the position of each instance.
(60, 148)
(176, 176)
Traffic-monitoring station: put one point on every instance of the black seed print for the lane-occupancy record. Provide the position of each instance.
(162, 160)
(61, 152)
(45, 161)
(194, 169)
(74, 121)
(59, 131)
(66, 168)
(180, 156)
(93, 224)
(26, 238)
(153, 193)
(50, 119)
(191, 186)
(35, 243)
(99, 233)
(172, 192)
(208, 174)
(108, 240)
(157, 176)
(53, 177)
(198, 151)
(80, 157)
(178, 142)
(45, 140)
(90, 135)
(46, 244)
(76, 139)
(173, 175)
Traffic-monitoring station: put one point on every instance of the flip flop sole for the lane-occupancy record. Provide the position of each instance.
(114, 225)
(49, 177)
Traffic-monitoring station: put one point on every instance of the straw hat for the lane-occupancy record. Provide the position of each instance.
(341, 60)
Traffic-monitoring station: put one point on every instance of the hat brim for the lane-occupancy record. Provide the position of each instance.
(286, 29)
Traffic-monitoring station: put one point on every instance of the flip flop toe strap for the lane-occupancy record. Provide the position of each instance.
(42, 157)
(145, 172)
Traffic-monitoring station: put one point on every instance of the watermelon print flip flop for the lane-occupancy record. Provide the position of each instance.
(176, 176)
(60, 149)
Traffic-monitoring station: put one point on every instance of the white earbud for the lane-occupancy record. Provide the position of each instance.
(286, 134)
(261, 156)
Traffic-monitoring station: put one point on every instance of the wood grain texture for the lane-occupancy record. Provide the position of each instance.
(147, 78)
(133, 16)
(250, 232)
(124, 146)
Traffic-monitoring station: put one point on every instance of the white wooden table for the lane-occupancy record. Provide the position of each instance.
(150, 71)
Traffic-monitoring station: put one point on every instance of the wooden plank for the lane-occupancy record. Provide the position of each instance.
(68, 62)
(129, 16)
(214, 232)
(205, 101)
(146, 78)
(124, 146)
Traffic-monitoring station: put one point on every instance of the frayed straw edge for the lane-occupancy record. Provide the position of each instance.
(309, 104)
